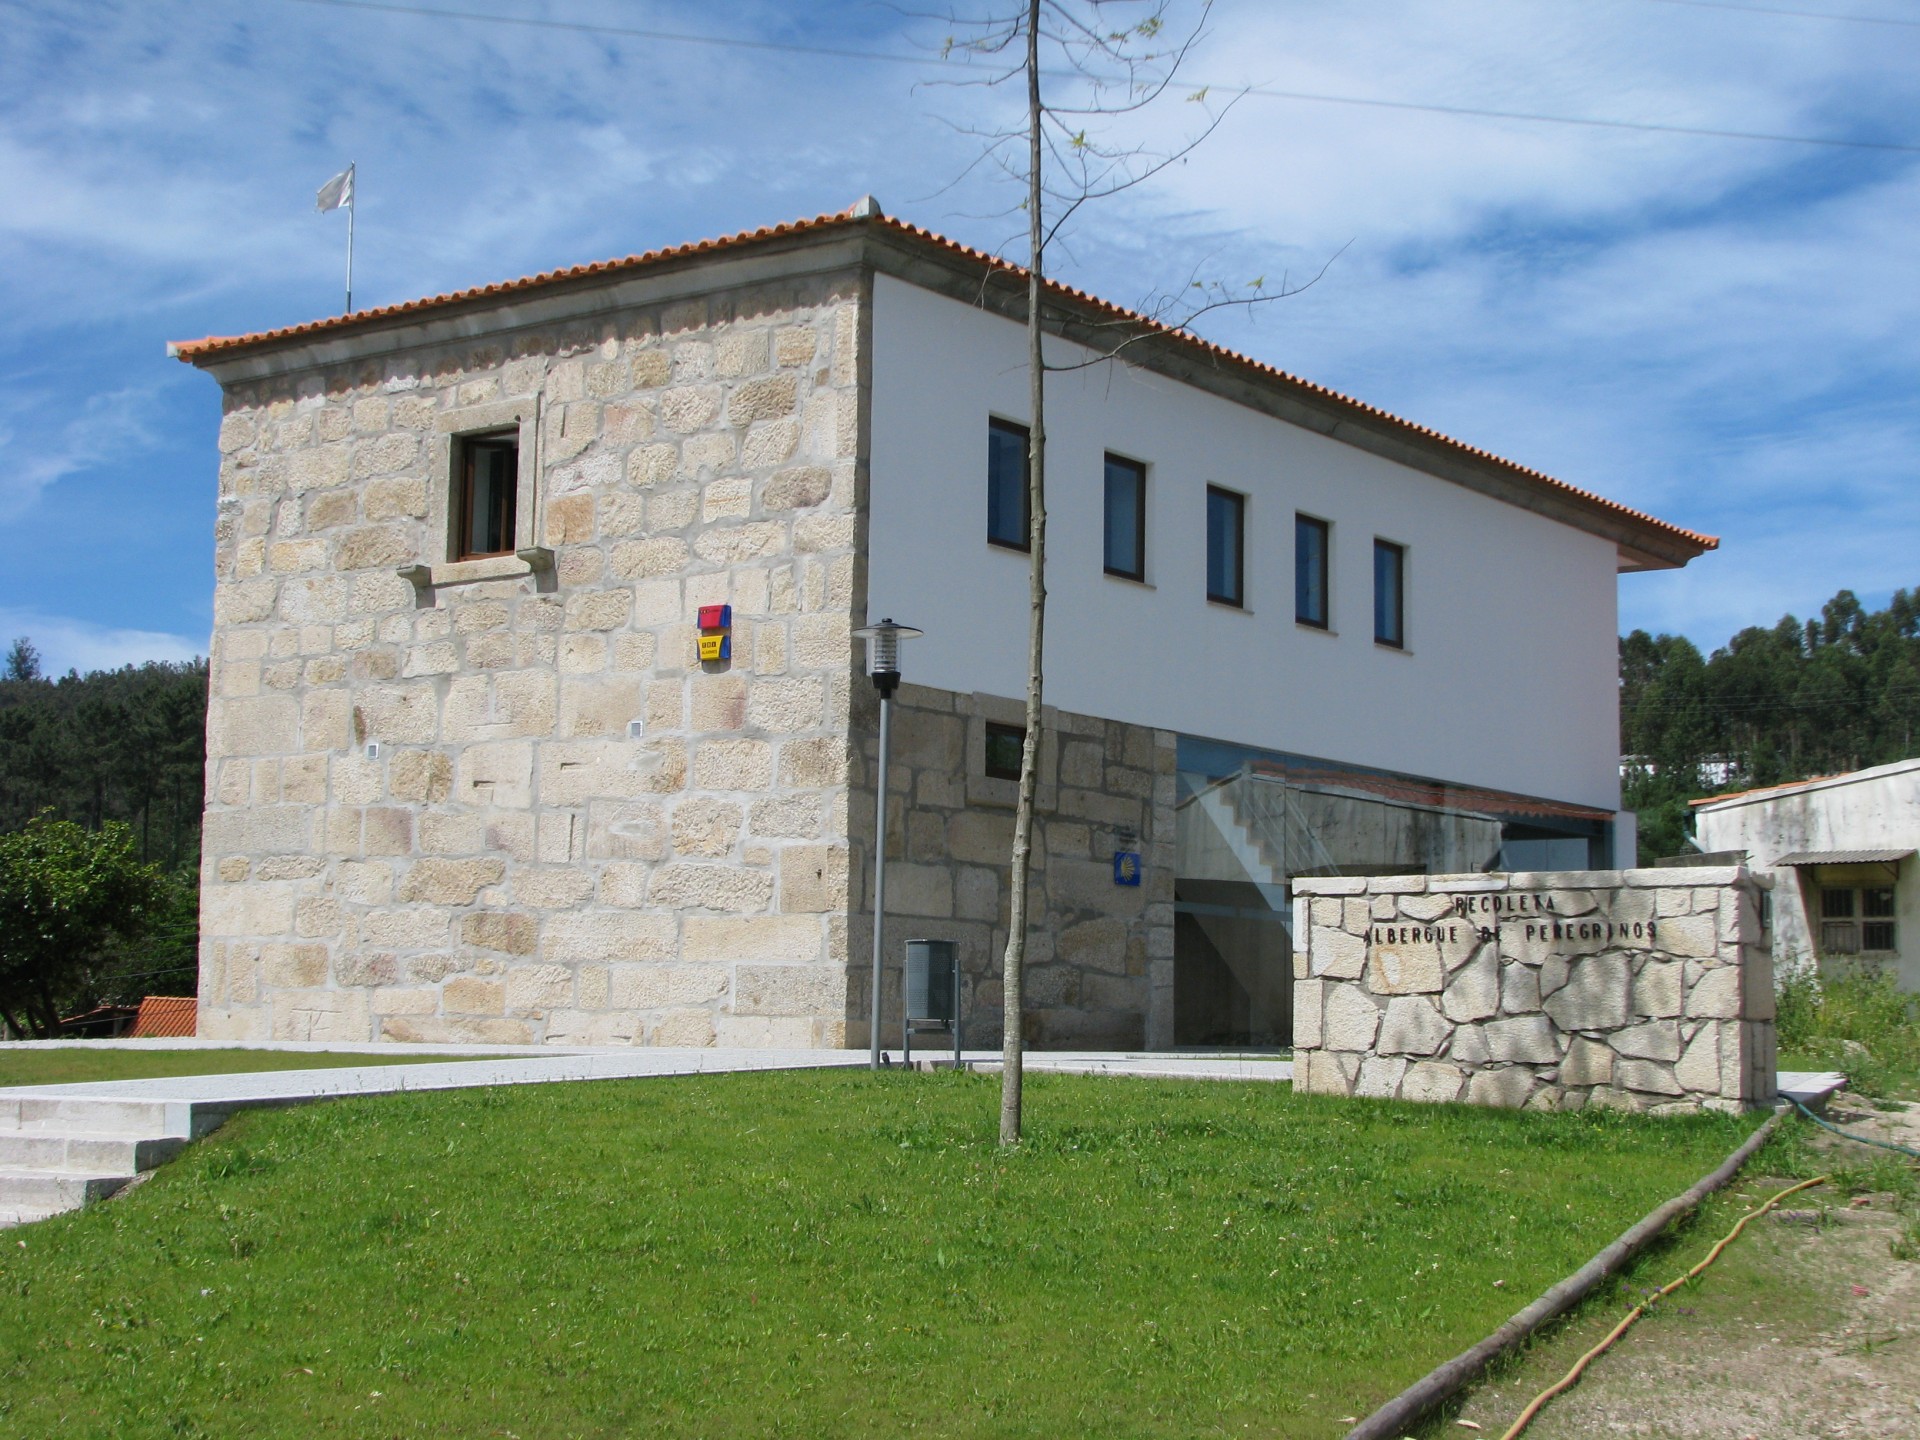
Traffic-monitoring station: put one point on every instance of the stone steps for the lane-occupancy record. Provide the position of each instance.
(86, 1153)
(11, 1215)
(58, 1153)
(22, 1187)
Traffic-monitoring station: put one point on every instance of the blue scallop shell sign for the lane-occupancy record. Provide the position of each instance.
(1126, 867)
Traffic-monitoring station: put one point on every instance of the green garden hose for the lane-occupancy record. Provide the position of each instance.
(1848, 1135)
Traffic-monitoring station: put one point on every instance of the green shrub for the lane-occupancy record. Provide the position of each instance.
(1859, 1024)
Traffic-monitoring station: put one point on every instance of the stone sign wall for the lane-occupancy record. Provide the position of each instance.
(1638, 989)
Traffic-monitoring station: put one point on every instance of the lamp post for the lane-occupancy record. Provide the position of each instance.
(883, 666)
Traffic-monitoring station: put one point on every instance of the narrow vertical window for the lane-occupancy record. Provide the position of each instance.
(488, 481)
(1126, 523)
(1310, 571)
(1390, 594)
(1008, 515)
(1226, 546)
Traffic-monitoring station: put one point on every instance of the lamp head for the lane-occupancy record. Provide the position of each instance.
(883, 652)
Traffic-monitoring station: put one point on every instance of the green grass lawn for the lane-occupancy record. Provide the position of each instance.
(63, 1067)
(812, 1254)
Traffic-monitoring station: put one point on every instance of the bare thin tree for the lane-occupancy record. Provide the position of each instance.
(1112, 69)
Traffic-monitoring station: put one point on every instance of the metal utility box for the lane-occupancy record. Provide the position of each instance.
(933, 993)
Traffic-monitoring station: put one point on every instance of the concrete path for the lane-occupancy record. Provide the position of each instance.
(1197, 1066)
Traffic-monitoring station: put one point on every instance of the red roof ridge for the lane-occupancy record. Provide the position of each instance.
(191, 351)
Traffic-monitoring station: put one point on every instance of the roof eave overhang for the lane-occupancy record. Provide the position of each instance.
(932, 265)
(847, 244)
(506, 312)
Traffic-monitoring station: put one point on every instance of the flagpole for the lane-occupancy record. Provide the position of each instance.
(352, 205)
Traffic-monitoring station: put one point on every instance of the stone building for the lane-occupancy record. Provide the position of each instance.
(470, 778)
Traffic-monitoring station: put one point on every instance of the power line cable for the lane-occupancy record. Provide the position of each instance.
(391, 7)
(1791, 14)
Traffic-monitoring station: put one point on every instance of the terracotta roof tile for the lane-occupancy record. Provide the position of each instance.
(214, 346)
(1781, 788)
(166, 1015)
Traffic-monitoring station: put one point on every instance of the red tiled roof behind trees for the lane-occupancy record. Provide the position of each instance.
(164, 1016)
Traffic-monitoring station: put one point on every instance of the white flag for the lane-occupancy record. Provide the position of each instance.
(337, 193)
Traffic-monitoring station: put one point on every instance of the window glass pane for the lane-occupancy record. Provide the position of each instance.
(1877, 935)
(1225, 520)
(1876, 903)
(1839, 937)
(1004, 744)
(1836, 904)
(1007, 513)
(1126, 518)
(1310, 570)
(1389, 598)
(487, 500)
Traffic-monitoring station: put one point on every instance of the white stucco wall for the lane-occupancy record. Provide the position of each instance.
(1508, 679)
(1877, 809)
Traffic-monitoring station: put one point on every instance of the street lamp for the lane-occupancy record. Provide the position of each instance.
(883, 665)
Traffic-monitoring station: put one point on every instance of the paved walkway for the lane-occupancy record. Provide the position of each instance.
(479, 1065)
(226, 1093)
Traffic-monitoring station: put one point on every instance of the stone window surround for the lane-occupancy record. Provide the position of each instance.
(990, 791)
(438, 567)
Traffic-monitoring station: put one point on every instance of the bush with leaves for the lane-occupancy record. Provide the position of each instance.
(70, 899)
(1861, 1025)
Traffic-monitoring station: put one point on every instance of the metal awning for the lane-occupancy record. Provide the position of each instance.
(1843, 857)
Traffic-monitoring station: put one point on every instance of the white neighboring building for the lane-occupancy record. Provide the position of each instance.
(1841, 850)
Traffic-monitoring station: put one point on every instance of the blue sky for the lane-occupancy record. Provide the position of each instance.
(1725, 332)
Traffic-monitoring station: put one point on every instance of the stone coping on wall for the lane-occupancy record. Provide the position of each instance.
(1635, 989)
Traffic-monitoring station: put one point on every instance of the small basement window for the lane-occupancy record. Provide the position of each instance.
(486, 487)
(1005, 744)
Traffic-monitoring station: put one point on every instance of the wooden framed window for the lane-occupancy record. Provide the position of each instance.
(1009, 492)
(1005, 743)
(1126, 518)
(1226, 546)
(1310, 546)
(1390, 594)
(486, 488)
(1857, 920)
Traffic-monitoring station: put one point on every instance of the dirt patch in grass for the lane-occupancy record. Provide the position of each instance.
(69, 1066)
(1807, 1328)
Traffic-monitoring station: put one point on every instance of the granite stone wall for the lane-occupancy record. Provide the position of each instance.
(1637, 989)
(501, 800)
(1100, 959)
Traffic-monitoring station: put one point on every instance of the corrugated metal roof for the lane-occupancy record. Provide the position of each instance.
(166, 1016)
(1842, 857)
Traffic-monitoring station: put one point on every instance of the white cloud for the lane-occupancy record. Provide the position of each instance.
(1716, 330)
(67, 644)
(48, 442)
